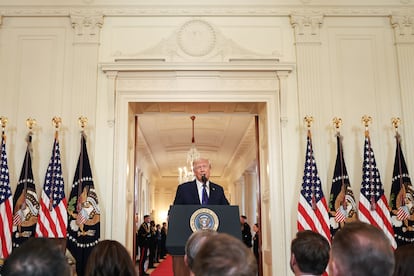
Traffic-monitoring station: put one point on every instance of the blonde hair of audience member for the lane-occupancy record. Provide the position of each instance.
(224, 255)
(361, 249)
(404, 260)
(309, 253)
(108, 258)
(37, 257)
(193, 244)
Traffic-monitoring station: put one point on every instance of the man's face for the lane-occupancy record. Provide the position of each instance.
(201, 167)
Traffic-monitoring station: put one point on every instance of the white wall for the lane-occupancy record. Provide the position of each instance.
(350, 61)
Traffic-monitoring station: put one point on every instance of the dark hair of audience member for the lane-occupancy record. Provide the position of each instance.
(404, 260)
(224, 255)
(361, 249)
(108, 258)
(194, 243)
(37, 257)
(311, 251)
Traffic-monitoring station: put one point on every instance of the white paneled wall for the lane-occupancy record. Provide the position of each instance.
(348, 61)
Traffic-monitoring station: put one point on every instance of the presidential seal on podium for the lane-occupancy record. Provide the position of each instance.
(203, 219)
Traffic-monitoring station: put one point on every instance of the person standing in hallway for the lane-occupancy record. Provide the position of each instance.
(246, 231)
(144, 236)
(256, 236)
(152, 245)
(200, 190)
(164, 232)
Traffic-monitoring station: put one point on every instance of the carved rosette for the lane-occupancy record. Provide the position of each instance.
(196, 38)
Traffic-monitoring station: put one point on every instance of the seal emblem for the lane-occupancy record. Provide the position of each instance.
(203, 219)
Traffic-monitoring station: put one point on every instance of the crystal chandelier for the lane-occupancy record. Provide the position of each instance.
(186, 173)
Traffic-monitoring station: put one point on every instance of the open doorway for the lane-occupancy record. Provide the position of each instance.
(132, 85)
(228, 137)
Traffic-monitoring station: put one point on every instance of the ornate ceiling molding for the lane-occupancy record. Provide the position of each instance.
(271, 10)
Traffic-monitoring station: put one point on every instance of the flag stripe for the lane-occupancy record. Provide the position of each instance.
(6, 204)
(6, 227)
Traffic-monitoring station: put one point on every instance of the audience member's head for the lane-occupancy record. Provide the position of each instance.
(361, 249)
(109, 257)
(309, 253)
(404, 260)
(37, 257)
(224, 255)
(194, 243)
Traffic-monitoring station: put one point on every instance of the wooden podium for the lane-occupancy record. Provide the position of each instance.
(183, 220)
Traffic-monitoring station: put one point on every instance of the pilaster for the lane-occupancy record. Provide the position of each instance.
(85, 59)
(403, 25)
(308, 52)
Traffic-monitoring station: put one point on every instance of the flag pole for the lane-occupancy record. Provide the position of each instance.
(309, 121)
(3, 121)
(367, 120)
(396, 122)
(337, 124)
(30, 123)
(56, 121)
(83, 121)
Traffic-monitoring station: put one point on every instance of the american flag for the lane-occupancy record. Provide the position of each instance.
(373, 206)
(53, 216)
(312, 207)
(6, 204)
(401, 198)
(341, 194)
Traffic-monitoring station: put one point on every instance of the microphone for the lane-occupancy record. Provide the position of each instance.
(204, 179)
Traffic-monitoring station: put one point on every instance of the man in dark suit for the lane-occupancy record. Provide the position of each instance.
(143, 238)
(201, 190)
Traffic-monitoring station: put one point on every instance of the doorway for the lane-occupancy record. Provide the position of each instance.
(133, 84)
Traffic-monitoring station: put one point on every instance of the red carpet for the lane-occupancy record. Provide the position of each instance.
(165, 268)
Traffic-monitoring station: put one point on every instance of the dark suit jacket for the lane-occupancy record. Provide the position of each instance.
(187, 194)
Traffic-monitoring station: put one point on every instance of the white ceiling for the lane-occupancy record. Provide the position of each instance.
(223, 132)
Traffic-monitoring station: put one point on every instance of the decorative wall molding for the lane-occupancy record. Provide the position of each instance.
(307, 27)
(403, 27)
(271, 10)
(87, 27)
(197, 40)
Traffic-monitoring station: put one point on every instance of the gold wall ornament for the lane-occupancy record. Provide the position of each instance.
(308, 121)
(83, 122)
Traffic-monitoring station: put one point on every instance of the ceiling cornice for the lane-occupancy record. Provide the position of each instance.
(175, 11)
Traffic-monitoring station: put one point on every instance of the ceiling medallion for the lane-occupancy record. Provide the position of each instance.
(196, 38)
